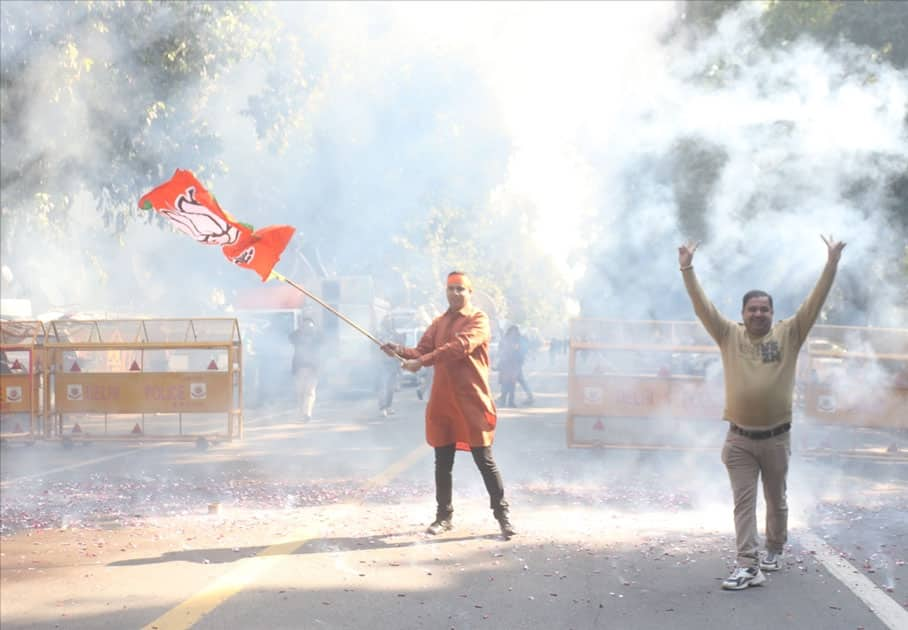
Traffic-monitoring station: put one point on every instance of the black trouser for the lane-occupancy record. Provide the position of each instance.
(444, 464)
(522, 381)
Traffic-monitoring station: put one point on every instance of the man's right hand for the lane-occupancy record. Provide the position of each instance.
(391, 349)
(686, 253)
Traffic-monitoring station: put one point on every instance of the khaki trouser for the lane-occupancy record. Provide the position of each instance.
(306, 382)
(746, 459)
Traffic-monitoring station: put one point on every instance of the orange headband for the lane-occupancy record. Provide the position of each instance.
(461, 279)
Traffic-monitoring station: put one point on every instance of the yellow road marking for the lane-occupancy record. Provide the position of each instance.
(190, 611)
(397, 467)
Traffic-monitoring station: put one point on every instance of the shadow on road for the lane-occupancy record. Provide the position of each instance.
(220, 555)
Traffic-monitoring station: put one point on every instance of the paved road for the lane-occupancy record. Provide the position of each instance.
(320, 525)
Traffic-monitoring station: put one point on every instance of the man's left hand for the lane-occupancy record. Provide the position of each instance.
(834, 248)
(411, 365)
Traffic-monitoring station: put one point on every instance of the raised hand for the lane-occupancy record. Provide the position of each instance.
(834, 248)
(686, 253)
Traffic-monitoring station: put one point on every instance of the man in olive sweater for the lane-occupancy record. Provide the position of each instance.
(759, 362)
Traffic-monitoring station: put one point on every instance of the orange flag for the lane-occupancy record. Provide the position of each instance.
(192, 210)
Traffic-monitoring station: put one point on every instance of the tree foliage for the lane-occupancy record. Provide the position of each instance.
(107, 96)
(500, 253)
(881, 25)
(878, 24)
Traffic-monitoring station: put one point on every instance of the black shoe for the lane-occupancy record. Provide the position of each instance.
(507, 530)
(440, 525)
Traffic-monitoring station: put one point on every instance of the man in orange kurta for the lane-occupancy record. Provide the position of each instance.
(460, 414)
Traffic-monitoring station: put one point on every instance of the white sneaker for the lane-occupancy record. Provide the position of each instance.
(771, 561)
(742, 577)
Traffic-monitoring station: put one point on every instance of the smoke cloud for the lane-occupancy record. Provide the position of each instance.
(592, 131)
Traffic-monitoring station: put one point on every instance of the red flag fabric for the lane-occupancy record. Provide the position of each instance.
(192, 210)
(261, 249)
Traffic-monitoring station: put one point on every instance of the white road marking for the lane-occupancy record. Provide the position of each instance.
(887, 609)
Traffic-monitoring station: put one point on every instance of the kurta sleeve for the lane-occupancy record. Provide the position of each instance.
(714, 322)
(808, 312)
(425, 345)
(475, 333)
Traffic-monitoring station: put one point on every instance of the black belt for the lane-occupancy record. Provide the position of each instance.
(760, 435)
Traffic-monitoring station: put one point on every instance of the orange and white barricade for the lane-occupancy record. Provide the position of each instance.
(143, 380)
(21, 381)
(857, 376)
(631, 371)
(669, 374)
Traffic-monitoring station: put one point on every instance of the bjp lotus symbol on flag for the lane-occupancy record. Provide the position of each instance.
(194, 211)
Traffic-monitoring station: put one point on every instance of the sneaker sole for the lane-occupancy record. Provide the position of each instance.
(429, 532)
(753, 582)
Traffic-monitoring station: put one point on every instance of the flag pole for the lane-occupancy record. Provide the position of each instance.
(334, 311)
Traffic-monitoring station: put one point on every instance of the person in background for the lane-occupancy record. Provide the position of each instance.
(423, 382)
(509, 366)
(307, 342)
(424, 376)
(388, 370)
(460, 414)
(759, 361)
(553, 351)
(524, 344)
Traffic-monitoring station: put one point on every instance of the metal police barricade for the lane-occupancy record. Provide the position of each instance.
(851, 392)
(21, 381)
(856, 377)
(145, 380)
(622, 373)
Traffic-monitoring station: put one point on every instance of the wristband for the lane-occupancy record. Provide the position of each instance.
(686, 268)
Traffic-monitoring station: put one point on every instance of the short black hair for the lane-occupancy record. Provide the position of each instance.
(754, 294)
(457, 273)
